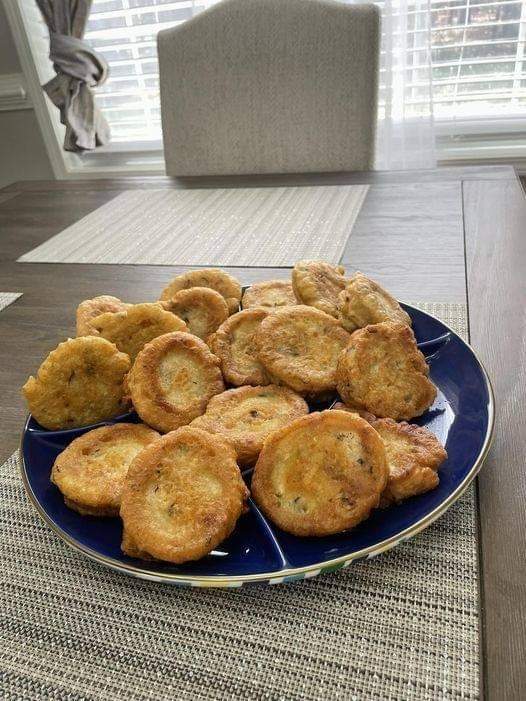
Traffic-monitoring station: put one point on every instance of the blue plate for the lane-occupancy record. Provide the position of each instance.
(257, 551)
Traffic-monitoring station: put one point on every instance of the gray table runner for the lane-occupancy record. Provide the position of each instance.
(251, 227)
(404, 625)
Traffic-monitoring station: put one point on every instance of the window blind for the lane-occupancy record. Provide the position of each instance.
(478, 61)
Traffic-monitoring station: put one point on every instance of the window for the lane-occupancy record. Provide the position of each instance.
(124, 32)
(478, 74)
(479, 67)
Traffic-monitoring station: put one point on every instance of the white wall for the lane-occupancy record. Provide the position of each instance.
(22, 152)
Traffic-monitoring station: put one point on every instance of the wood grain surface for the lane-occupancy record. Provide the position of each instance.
(495, 221)
(412, 234)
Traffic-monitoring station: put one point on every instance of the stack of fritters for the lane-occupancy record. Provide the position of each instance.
(226, 377)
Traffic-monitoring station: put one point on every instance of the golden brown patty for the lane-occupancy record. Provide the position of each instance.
(201, 308)
(246, 416)
(364, 302)
(90, 472)
(299, 347)
(90, 308)
(182, 497)
(172, 380)
(383, 371)
(217, 280)
(131, 329)
(321, 474)
(269, 295)
(414, 455)
(79, 383)
(234, 345)
(318, 284)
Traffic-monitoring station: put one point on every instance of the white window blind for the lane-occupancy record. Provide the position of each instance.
(479, 67)
(124, 32)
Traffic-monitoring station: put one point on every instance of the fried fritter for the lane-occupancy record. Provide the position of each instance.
(383, 371)
(90, 308)
(269, 295)
(299, 346)
(79, 383)
(182, 497)
(216, 279)
(321, 474)
(201, 308)
(234, 345)
(172, 380)
(318, 284)
(90, 472)
(414, 455)
(365, 302)
(366, 415)
(246, 416)
(131, 329)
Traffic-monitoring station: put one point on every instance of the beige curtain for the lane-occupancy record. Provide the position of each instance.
(78, 69)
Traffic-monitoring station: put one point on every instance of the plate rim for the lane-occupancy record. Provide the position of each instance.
(292, 572)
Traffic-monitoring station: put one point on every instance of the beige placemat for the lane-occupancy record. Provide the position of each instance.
(404, 625)
(251, 227)
(7, 298)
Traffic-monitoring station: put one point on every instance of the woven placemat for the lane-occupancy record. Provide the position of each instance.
(251, 227)
(7, 298)
(404, 625)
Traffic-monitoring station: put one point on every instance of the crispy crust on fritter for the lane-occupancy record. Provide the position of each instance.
(132, 328)
(365, 302)
(318, 284)
(414, 455)
(321, 474)
(182, 497)
(79, 383)
(90, 308)
(246, 416)
(90, 472)
(270, 295)
(172, 380)
(234, 344)
(216, 279)
(382, 371)
(202, 309)
(299, 346)
(353, 409)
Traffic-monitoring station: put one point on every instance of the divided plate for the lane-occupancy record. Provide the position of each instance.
(461, 417)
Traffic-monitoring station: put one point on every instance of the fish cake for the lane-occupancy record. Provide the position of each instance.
(173, 379)
(321, 474)
(365, 302)
(132, 328)
(353, 409)
(216, 279)
(90, 472)
(318, 284)
(382, 371)
(246, 416)
(81, 382)
(234, 344)
(182, 497)
(269, 295)
(414, 455)
(202, 309)
(299, 346)
(90, 308)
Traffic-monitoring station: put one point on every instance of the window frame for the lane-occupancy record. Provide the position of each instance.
(459, 141)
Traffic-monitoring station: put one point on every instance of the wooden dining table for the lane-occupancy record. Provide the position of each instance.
(455, 235)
